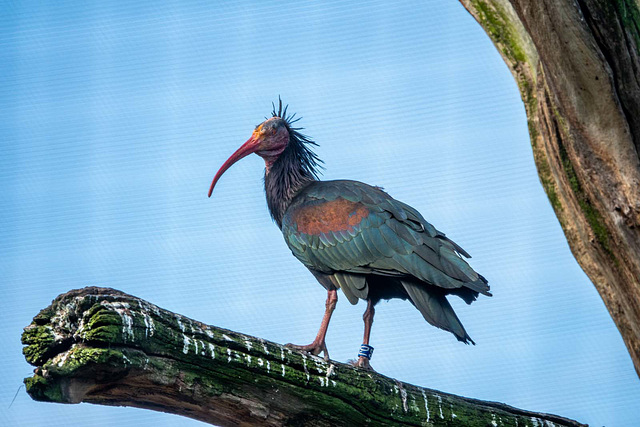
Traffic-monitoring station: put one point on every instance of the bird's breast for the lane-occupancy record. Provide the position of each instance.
(324, 216)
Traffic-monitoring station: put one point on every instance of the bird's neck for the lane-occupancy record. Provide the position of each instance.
(284, 178)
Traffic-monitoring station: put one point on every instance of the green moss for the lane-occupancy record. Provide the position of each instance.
(81, 357)
(593, 217)
(550, 189)
(533, 131)
(103, 325)
(504, 34)
(44, 316)
(497, 25)
(528, 96)
(200, 378)
(629, 12)
(105, 333)
(43, 390)
(39, 341)
(544, 172)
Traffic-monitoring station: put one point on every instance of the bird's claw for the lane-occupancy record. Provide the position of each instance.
(363, 363)
(314, 348)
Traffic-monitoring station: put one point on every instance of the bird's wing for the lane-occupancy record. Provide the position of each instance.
(349, 229)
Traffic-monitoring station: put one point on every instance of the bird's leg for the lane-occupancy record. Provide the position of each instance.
(318, 345)
(363, 361)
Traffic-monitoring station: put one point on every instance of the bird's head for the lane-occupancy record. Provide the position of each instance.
(269, 140)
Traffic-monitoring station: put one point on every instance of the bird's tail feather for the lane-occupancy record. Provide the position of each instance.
(436, 309)
(354, 286)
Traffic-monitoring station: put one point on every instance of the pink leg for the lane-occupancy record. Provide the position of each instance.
(363, 362)
(318, 345)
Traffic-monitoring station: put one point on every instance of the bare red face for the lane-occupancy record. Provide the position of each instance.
(268, 140)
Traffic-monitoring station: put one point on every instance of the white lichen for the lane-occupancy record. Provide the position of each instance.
(147, 306)
(318, 359)
(123, 310)
(403, 396)
(180, 324)
(304, 364)
(187, 341)
(426, 405)
(62, 358)
(56, 335)
(149, 325)
(330, 370)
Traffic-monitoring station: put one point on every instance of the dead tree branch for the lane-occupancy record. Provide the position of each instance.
(102, 346)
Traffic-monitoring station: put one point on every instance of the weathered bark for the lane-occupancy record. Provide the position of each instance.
(103, 346)
(577, 65)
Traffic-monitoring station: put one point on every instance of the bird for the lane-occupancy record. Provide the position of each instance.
(355, 237)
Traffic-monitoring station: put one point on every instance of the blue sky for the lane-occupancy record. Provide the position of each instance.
(116, 117)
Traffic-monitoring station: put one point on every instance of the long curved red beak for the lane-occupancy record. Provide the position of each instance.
(249, 147)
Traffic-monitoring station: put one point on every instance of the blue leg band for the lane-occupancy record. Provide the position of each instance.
(365, 351)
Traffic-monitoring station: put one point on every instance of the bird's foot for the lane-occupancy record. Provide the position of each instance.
(363, 363)
(314, 348)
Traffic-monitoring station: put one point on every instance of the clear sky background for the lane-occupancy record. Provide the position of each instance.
(116, 115)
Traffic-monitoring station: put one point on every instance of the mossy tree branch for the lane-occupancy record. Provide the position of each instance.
(102, 346)
(577, 64)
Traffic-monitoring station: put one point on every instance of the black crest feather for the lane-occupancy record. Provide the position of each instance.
(299, 144)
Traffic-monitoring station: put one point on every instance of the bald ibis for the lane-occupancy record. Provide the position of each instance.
(355, 237)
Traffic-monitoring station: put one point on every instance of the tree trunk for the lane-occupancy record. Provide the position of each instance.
(99, 345)
(577, 65)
